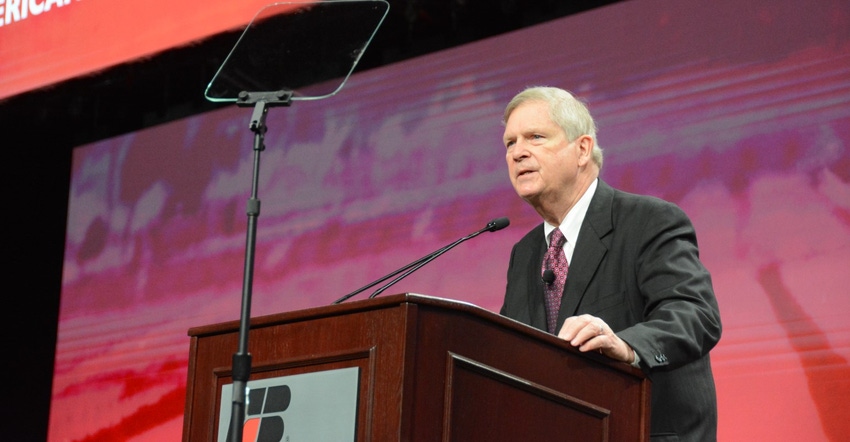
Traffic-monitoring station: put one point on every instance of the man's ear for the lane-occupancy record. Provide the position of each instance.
(585, 145)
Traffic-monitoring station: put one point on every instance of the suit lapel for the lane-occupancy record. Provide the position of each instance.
(536, 299)
(590, 250)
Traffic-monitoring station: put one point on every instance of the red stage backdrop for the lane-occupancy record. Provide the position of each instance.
(737, 111)
(46, 41)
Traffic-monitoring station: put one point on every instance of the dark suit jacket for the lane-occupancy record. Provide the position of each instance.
(636, 265)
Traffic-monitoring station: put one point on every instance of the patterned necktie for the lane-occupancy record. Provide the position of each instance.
(556, 261)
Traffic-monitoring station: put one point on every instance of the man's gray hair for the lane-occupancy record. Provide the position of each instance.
(565, 110)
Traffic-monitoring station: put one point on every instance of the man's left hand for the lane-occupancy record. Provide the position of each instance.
(590, 333)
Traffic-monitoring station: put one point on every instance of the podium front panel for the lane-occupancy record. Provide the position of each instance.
(429, 369)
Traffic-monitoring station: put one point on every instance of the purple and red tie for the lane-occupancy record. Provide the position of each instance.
(556, 261)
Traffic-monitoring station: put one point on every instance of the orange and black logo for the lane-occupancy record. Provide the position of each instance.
(264, 414)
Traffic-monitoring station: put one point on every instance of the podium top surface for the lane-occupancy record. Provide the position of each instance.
(408, 299)
(343, 309)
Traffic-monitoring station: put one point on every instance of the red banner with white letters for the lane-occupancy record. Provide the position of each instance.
(47, 41)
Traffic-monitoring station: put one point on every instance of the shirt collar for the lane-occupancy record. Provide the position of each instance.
(572, 222)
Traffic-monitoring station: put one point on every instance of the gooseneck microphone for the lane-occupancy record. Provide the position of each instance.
(548, 276)
(492, 226)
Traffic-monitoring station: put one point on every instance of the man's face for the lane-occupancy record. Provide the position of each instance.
(542, 162)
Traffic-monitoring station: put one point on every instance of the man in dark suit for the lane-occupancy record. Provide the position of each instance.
(627, 282)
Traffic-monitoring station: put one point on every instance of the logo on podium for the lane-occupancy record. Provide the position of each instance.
(315, 407)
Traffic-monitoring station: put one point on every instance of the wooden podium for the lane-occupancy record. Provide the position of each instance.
(430, 369)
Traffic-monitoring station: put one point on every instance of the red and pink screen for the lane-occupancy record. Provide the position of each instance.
(737, 111)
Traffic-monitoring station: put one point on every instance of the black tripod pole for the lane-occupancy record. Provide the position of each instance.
(242, 358)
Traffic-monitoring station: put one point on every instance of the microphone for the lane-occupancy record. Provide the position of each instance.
(492, 226)
(548, 276)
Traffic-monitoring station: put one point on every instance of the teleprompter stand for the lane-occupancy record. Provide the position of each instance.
(242, 358)
(290, 51)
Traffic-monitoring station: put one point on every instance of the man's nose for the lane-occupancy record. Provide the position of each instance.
(519, 150)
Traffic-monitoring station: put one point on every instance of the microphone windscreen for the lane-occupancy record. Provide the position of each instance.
(498, 224)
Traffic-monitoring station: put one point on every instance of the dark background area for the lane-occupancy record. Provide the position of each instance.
(39, 130)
